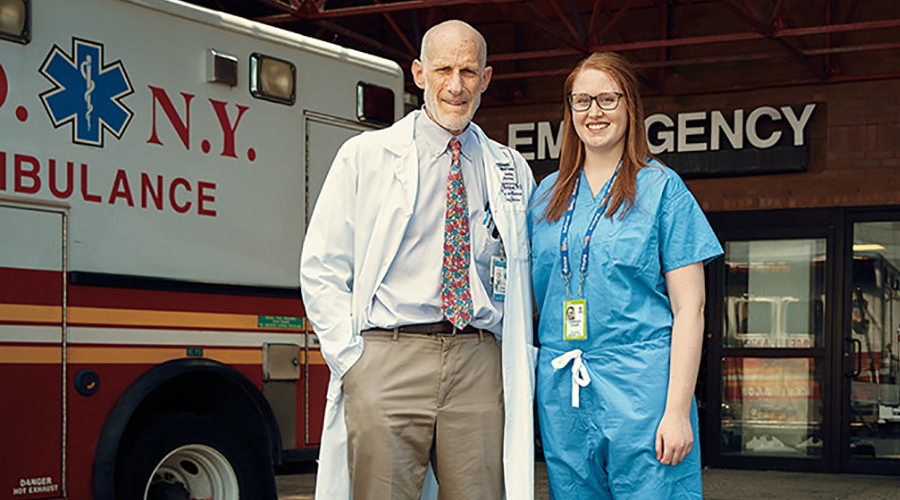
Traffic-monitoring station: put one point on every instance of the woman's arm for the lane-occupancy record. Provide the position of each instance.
(687, 294)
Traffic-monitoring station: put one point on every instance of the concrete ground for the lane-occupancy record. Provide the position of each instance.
(718, 484)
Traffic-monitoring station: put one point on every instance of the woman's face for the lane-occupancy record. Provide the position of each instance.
(600, 130)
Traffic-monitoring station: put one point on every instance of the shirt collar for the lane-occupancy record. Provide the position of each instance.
(434, 140)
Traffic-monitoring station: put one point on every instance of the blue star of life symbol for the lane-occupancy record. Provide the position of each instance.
(86, 93)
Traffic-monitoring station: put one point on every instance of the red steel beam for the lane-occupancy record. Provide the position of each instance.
(565, 20)
(382, 8)
(702, 40)
(390, 20)
(595, 15)
(757, 56)
(612, 22)
(838, 28)
(400, 56)
(540, 21)
(716, 90)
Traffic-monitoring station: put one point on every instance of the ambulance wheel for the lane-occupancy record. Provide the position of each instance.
(186, 456)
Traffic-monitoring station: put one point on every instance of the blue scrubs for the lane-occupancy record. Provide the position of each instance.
(605, 447)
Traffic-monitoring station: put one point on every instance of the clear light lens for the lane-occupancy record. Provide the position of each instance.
(272, 79)
(277, 78)
(12, 17)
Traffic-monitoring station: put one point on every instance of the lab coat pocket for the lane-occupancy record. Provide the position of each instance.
(519, 247)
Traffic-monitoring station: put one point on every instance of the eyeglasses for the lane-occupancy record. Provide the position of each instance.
(607, 101)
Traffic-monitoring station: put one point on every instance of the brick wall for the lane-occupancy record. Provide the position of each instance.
(854, 138)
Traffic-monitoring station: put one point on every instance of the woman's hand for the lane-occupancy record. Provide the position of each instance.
(674, 439)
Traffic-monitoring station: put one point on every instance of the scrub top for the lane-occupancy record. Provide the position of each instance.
(600, 399)
(625, 286)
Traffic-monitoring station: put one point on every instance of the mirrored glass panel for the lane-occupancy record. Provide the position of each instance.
(873, 337)
(774, 293)
(771, 406)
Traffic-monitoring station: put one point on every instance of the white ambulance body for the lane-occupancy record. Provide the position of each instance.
(158, 165)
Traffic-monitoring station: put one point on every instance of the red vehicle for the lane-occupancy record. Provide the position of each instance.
(158, 165)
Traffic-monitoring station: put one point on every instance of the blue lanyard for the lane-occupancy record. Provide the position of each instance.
(564, 235)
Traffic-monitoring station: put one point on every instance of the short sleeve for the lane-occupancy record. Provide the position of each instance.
(685, 235)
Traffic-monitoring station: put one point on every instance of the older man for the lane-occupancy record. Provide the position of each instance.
(415, 276)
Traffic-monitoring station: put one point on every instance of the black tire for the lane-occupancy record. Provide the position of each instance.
(189, 435)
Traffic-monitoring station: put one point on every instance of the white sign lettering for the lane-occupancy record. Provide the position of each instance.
(687, 136)
(523, 135)
(695, 131)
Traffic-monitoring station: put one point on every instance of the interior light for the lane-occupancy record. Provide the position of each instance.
(374, 104)
(870, 247)
(15, 20)
(272, 79)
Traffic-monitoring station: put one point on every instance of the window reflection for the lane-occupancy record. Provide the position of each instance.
(875, 341)
(774, 293)
(771, 406)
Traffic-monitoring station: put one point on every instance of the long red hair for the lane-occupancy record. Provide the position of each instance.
(571, 158)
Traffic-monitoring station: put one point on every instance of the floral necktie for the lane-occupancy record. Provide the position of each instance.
(456, 299)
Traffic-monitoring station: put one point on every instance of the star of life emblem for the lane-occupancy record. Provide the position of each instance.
(86, 93)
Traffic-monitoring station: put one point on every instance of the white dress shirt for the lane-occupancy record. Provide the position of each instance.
(410, 292)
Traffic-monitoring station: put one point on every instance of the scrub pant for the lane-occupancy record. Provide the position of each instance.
(605, 448)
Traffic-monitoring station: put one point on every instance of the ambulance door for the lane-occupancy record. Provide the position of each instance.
(32, 333)
(324, 136)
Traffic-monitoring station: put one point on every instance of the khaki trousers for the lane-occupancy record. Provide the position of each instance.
(412, 398)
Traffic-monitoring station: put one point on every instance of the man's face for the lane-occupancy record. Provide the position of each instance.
(452, 76)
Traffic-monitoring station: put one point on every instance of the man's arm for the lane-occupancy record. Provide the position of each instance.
(327, 265)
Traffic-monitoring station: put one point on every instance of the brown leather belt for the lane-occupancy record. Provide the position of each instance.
(442, 328)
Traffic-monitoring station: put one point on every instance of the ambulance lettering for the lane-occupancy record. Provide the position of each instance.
(32, 485)
(62, 177)
(4, 86)
(182, 126)
(86, 93)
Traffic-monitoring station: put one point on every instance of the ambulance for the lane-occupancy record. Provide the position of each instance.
(159, 163)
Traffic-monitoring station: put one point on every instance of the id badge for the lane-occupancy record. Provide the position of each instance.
(498, 277)
(574, 319)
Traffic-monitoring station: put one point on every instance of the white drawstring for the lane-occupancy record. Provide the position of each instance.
(580, 377)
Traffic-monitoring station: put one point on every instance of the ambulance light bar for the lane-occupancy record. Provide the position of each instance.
(374, 104)
(15, 20)
(272, 79)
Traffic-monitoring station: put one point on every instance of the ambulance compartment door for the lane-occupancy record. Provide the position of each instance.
(32, 343)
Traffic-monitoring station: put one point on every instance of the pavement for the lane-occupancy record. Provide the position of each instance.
(718, 484)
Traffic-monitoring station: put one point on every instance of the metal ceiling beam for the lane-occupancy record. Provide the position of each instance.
(378, 8)
(390, 51)
(390, 20)
(564, 19)
(702, 40)
(697, 61)
(592, 26)
(769, 19)
(612, 22)
(759, 24)
(540, 21)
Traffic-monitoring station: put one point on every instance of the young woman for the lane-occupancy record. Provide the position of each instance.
(618, 246)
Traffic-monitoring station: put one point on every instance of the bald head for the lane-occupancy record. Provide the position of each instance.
(453, 73)
(453, 33)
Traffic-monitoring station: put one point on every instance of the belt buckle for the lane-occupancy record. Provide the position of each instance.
(451, 333)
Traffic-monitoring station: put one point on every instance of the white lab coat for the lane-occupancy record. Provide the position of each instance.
(353, 236)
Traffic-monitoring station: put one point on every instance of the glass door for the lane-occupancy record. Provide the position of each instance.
(772, 342)
(872, 347)
(773, 356)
